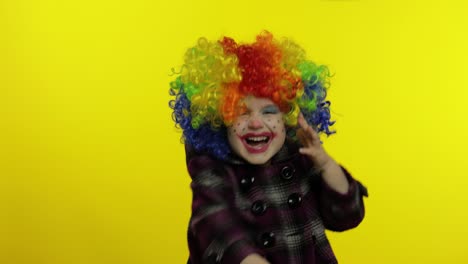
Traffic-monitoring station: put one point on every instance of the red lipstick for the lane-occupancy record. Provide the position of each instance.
(257, 142)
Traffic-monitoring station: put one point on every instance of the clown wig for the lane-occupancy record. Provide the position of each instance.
(216, 76)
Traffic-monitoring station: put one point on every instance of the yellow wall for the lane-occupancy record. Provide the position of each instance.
(91, 168)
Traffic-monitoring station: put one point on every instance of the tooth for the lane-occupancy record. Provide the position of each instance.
(257, 138)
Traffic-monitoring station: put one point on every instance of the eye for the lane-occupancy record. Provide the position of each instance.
(270, 110)
(242, 111)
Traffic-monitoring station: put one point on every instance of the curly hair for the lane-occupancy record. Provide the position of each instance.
(216, 76)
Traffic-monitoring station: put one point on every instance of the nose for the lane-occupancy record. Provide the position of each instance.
(255, 122)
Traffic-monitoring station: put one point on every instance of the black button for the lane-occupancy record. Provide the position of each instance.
(268, 239)
(294, 200)
(287, 172)
(246, 183)
(213, 258)
(258, 207)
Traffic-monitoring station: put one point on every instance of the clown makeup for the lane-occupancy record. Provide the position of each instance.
(258, 133)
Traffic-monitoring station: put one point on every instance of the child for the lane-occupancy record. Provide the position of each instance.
(264, 189)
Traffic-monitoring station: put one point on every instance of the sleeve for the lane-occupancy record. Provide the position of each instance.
(342, 211)
(217, 231)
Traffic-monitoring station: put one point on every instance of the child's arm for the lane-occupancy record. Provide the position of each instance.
(342, 211)
(341, 204)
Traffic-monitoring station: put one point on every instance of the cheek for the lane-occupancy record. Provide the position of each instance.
(276, 124)
(238, 127)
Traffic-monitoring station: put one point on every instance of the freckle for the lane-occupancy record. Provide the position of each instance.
(277, 121)
(234, 130)
(238, 124)
(269, 120)
(274, 127)
(243, 129)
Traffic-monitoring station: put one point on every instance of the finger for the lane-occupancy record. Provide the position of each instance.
(303, 151)
(300, 116)
(313, 134)
(304, 138)
(302, 122)
(305, 125)
(301, 137)
(307, 151)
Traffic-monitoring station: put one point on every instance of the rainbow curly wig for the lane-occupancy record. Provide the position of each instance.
(216, 76)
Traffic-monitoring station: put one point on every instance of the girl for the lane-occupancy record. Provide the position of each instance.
(264, 189)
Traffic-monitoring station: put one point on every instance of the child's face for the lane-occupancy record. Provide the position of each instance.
(258, 133)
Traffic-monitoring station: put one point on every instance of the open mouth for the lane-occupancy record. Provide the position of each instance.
(257, 143)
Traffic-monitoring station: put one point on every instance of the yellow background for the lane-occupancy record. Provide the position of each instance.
(91, 166)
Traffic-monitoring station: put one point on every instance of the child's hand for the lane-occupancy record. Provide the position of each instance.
(331, 172)
(311, 145)
(254, 259)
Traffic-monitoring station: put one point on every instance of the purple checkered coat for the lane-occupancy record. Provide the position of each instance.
(279, 211)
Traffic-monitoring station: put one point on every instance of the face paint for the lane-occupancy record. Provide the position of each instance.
(258, 133)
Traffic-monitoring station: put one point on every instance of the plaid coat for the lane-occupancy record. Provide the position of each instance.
(279, 211)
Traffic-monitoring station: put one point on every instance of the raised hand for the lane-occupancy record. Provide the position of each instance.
(312, 147)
